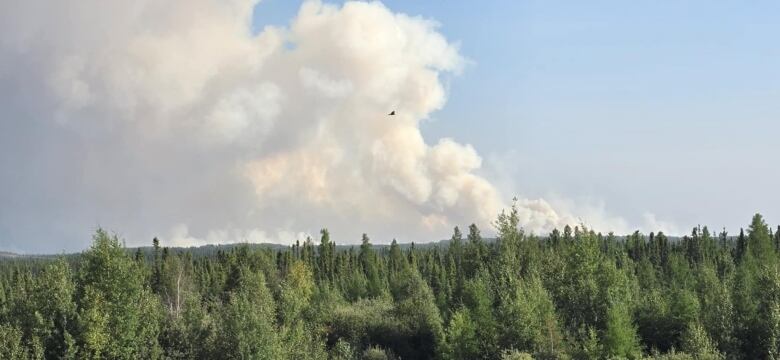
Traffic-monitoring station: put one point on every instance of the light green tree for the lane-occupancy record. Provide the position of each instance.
(697, 343)
(528, 320)
(620, 337)
(11, 345)
(461, 337)
(246, 327)
(118, 316)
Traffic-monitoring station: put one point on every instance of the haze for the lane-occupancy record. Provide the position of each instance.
(223, 121)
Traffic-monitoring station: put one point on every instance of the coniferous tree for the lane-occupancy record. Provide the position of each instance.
(573, 294)
(396, 260)
(326, 256)
(157, 266)
(777, 239)
(742, 245)
(368, 261)
(474, 252)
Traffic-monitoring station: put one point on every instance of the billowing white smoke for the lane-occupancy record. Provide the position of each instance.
(168, 115)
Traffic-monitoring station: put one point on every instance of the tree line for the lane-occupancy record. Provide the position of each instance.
(572, 294)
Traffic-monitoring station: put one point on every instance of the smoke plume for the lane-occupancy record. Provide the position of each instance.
(173, 118)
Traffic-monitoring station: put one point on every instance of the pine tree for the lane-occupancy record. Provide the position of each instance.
(368, 262)
(396, 261)
(326, 257)
(456, 248)
(157, 272)
(777, 239)
(474, 252)
(742, 245)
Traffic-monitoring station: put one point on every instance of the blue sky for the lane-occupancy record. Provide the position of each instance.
(664, 107)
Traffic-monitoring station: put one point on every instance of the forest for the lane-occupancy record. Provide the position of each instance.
(570, 294)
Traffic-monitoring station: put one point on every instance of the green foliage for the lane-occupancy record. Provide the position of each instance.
(377, 353)
(47, 311)
(717, 309)
(117, 316)
(462, 341)
(528, 320)
(574, 294)
(697, 343)
(11, 346)
(190, 334)
(365, 322)
(296, 291)
(368, 260)
(620, 338)
(416, 309)
(478, 298)
(342, 350)
(301, 342)
(760, 243)
(246, 329)
(767, 324)
(515, 355)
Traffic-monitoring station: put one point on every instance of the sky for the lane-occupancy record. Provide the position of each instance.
(225, 121)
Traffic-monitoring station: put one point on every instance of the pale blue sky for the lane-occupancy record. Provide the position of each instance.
(665, 107)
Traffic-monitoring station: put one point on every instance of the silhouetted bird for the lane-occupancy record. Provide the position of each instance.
(392, 113)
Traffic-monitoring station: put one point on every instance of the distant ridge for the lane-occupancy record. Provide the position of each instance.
(212, 249)
(6, 254)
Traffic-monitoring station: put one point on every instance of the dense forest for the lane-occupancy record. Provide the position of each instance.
(573, 294)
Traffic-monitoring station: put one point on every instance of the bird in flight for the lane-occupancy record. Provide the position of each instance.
(392, 113)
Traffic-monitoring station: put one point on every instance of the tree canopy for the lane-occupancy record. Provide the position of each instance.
(571, 294)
